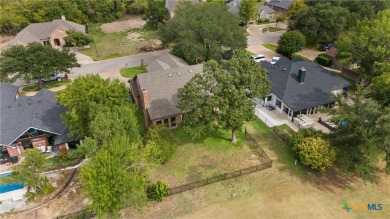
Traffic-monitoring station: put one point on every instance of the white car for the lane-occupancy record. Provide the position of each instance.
(274, 60)
(56, 76)
(258, 58)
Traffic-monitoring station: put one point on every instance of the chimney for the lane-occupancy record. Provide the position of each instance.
(145, 97)
(301, 75)
(63, 17)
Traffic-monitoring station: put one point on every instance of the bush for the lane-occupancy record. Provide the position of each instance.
(158, 136)
(157, 191)
(317, 153)
(323, 60)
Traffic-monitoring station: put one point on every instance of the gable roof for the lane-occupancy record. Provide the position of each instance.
(40, 112)
(7, 93)
(165, 62)
(316, 89)
(234, 7)
(280, 3)
(162, 89)
(36, 32)
(266, 9)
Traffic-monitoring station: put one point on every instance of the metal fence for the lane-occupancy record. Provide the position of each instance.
(256, 147)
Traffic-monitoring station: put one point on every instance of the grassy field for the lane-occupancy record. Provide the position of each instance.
(112, 45)
(283, 191)
(46, 85)
(270, 46)
(131, 72)
(274, 29)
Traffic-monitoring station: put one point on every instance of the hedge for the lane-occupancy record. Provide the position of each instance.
(323, 60)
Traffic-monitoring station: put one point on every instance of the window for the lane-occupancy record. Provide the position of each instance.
(278, 103)
(285, 109)
(57, 42)
(269, 98)
(46, 43)
(158, 122)
(166, 122)
(173, 121)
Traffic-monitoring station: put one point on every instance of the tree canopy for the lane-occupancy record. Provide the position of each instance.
(76, 38)
(85, 97)
(34, 61)
(316, 153)
(367, 45)
(296, 7)
(158, 136)
(155, 13)
(222, 96)
(290, 43)
(202, 31)
(248, 10)
(381, 88)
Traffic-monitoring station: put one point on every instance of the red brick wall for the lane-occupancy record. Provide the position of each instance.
(41, 140)
(20, 145)
(12, 152)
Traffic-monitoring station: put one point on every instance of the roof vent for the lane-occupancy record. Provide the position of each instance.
(178, 73)
(170, 75)
(284, 69)
(190, 70)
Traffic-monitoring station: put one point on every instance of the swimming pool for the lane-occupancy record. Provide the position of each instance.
(9, 187)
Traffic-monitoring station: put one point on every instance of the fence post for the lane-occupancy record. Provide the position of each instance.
(245, 132)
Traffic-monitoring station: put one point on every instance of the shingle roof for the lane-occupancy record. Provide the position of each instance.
(40, 111)
(266, 9)
(162, 89)
(7, 93)
(234, 7)
(316, 89)
(280, 3)
(165, 62)
(38, 31)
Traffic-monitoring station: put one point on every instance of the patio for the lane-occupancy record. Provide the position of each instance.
(273, 118)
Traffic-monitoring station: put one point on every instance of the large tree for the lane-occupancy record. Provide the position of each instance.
(84, 98)
(296, 7)
(116, 176)
(248, 10)
(155, 13)
(222, 96)
(34, 61)
(202, 31)
(290, 43)
(367, 45)
(76, 38)
(320, 23)
(381, 88)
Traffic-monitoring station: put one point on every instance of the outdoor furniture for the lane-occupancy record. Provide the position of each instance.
(49, 149)
(270, 107)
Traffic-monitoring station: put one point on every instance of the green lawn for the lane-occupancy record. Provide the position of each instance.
(46, 85)
(274, 29)
(131, 72)
(112, 45)
(270, 46)
(286, 128)
(141, 121)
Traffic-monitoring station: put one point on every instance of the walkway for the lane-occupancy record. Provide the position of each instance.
(268, 117)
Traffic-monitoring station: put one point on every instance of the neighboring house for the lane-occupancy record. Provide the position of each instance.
(155, 93)
(234, 7)
(48, 33)
(265, 12)
(171, 5)
(165, 62)
(301, 86)
(30, 122)
(280, 6)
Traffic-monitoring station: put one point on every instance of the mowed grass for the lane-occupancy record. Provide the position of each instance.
(284, 191)
(270, 46)
(274, 29)
(117, 44)
(206, 157)
(46, 85)
(131, 72)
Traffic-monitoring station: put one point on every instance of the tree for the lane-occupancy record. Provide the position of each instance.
(84, 97)
(361, 132)
(296, 7)
(381, 88)
(321, 23)
(76, 38)
(29, 172)
(159, 135)
(248, 10)
(34, 61)
(221, 97)
(280, 18)
(290, 43)
(366, 45)
(316, 153)
(116, 176)
(155, 13)
(202, 31)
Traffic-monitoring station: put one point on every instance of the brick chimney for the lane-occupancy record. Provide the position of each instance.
(145, 97)
(301, 75)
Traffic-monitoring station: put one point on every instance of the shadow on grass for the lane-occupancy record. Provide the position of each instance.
(284, 160)
(141, 122)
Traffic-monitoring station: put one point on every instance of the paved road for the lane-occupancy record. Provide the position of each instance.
(116, 63)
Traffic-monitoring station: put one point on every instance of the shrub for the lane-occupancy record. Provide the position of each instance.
(157, 191)
(159, 135)
(317, 153)
(323, 60)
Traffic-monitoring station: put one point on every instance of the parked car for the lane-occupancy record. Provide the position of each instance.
(258, 58)
(56, 76)
(274, 60)
(326, 46)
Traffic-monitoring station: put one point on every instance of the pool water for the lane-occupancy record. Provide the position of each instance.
(9, 187)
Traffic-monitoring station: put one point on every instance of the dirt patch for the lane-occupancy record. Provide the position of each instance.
(118, 26)
(5, 41)
(134, 36)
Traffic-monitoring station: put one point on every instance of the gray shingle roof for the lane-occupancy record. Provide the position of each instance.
(281, 3)
(267, 9)
(234, 7)
(38, 31)
(7, 93)
(316, 89)
(40, 111)
(162, 89)
(165, 62)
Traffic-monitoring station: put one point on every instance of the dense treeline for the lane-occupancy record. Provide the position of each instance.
(16, 15)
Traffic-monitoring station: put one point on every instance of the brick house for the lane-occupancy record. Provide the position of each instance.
(48, 33)
(280, 6)
(265, 13)
(30, 122)
(155, 92)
